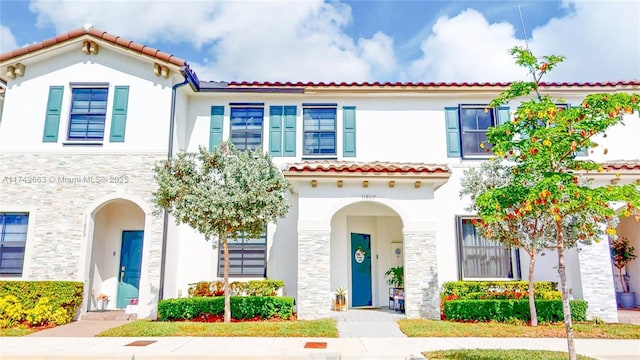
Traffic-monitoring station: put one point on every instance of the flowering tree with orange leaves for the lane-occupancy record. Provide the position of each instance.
(540, 144)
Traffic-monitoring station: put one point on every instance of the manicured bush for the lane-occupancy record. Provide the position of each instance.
(39, 302)
(506, 310)
(264, 287)
(242, 307)
(463, 289)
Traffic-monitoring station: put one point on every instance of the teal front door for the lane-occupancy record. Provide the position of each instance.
(129, 274)
(360, 270)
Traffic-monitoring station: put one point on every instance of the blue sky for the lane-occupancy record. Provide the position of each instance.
(314, 40)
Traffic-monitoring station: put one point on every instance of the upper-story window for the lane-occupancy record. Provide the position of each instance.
(484, 258)
(319, 126)
(88, 113)
(13, 238)
(246, 126)
(474, 123)
(467, 127)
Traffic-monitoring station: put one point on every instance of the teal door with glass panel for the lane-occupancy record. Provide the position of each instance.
(129, 274)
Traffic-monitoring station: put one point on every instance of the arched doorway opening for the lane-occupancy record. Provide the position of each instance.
(116, 255)
(366, 241)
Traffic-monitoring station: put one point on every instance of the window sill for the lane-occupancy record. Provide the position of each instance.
(320, 157)
(82, 143)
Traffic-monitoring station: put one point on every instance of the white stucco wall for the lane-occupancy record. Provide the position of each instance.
(148, 108)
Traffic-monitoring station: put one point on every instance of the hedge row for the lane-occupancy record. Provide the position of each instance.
(39, 302)
(242, 307)
(464, 289)
(264, 287)
(504, 310)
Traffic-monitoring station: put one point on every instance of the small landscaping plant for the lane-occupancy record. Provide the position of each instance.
(265, 287)
(38, 303)
(212, 308)
(503, 301)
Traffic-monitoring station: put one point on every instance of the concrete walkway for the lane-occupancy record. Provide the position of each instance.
(289, 348)
(356, 323)
(82, 328)
(364, 334)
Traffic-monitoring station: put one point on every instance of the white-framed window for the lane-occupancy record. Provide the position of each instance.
(481, 258)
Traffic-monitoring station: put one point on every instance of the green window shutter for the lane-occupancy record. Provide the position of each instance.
(275, 130)
(119, 115)
(453, 132)
(503, 115)
(349, 131)
(52, 118)
(217, 121)
(289, 131)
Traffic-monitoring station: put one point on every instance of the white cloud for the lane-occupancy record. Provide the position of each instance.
(306, 40)
(285, 41)
(601, 40)
(7, 40)
(467, 48)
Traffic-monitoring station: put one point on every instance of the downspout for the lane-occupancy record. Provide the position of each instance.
(165, 223)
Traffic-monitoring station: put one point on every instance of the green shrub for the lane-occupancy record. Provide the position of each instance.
(508, 310)
(242, 307)
(44, 313)
(40, 302)
(462, 289)
(11, 311)
(264, 287)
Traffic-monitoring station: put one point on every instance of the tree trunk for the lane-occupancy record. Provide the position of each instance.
(227, 298)
(532, 303)
(566, 309)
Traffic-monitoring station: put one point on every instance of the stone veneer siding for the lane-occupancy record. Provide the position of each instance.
(314, 301)
(59, 188)
(422, 296)
(596, 275)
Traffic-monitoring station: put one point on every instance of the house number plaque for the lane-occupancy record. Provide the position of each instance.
(368, 197)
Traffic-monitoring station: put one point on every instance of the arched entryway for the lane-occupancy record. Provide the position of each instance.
(116, 255)
(629, 228)
(366, 240)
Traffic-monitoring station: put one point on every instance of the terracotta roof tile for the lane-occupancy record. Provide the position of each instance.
(116, 40)
(423, 84)
(330, 166)
(622, 165)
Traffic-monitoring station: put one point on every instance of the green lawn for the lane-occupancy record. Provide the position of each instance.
(300, 328)
(17, 331)
(495, 354)
(433, 328)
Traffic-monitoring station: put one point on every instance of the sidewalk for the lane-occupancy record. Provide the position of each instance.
(289, 348)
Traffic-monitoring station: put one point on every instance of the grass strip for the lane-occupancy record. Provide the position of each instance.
(499, 354)
(300, 328)
(433, 328)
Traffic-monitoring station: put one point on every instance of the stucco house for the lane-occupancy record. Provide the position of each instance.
(375, 169)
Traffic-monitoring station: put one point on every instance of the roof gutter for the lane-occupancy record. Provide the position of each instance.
(191, 79)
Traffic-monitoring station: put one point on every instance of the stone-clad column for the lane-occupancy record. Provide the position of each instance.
(422, 296)
(314, 274)
(596, 275)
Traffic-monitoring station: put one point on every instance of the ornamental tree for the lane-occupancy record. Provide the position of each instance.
(541, 142)
(222, 194)
(529, 231)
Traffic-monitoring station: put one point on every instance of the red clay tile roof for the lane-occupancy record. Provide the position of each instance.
(423, 84)
(622, 165)
(330, 166)
(114, 39)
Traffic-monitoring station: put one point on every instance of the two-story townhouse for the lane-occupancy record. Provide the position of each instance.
(375, 168)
